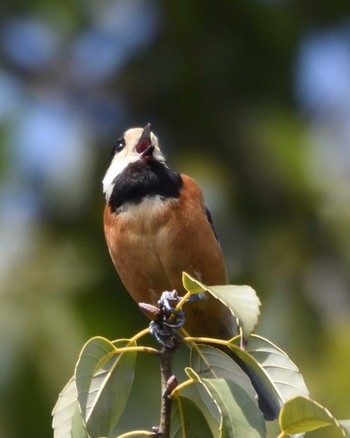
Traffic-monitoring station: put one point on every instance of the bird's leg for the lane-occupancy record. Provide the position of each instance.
(163, 334)
(167, 303)
(166, 320)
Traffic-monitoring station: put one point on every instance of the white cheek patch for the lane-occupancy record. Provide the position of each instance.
(117, 165)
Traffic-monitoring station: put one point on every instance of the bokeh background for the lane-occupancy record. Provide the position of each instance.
(250, 97)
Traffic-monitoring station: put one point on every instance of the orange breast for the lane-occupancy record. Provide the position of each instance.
(152, 243)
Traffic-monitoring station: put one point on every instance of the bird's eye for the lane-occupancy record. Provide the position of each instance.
(119, 146)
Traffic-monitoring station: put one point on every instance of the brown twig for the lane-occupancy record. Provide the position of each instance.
(167, 385)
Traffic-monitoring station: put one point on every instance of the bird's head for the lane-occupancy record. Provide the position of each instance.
(135, 144)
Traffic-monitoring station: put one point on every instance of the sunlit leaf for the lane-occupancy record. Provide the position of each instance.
(78, 427)
(345, 424)
(192, 285)
(104, 381)
(200, 397)
(192, 374)
(278, 376)
(304, 415)
(241, 300)
(243, 303)
(209, 362)
(187, 420)
(240, 415)
(67, 421)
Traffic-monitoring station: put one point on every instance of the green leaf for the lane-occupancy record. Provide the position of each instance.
(78, 427)
(301, 415)
(67, 421)
(187, 420)
(241, 300)
(345, 425)
(278, 375)
(209, 362)
(240, 415)
(243, 303)
(104, 380)
(192, 285)
(201, 398)
(192, 374)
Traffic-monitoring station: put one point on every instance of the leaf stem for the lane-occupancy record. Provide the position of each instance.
(183, 300)
(137, 433)
(179, 388)
(140, 348)
(191, 339)
(139, 335)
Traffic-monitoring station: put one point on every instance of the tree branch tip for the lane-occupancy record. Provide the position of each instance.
(171, 385)
(152, 312)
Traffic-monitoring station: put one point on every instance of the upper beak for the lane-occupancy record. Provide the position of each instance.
(144, 146)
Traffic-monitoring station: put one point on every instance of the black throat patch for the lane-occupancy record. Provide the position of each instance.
(144, 178)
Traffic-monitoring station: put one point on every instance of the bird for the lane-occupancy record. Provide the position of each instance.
(157, 225)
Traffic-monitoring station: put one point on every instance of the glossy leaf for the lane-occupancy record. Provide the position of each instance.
(241, 300)
(187, 420)
(67, 421)
(192, 285)
(209, 362)
(198, 394)
(240, 415)
(345, 425)
(278, 375)
(243, 303)
(104, 379)
(301, 414)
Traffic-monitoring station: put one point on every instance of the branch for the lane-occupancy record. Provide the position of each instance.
(168, 383)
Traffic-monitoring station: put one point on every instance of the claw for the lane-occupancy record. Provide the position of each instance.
(176, 322)
(167, 303)
(163, 334)
(167, 320)
(166, 298)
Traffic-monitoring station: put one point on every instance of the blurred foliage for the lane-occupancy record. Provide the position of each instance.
(225, 87)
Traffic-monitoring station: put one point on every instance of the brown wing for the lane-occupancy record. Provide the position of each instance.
(188, 242)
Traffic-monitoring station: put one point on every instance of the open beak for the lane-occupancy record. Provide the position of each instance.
(144, 146)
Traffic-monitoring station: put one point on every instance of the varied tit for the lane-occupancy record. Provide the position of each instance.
(157, 225)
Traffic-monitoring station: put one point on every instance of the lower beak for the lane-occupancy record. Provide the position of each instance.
(144, 146)
(148, 152)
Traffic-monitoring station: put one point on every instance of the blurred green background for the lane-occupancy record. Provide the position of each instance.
(251, 98)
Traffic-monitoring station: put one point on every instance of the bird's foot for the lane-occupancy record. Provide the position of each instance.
(163, 334)
(168, 319)
(170, 316)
